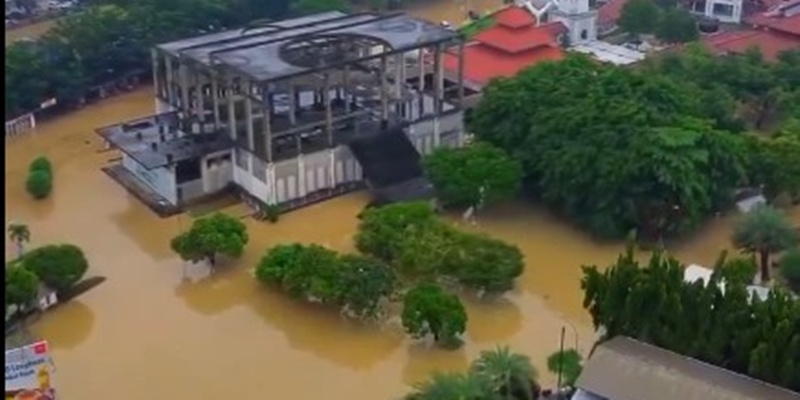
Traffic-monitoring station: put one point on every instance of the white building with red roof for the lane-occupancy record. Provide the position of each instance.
(773, 31)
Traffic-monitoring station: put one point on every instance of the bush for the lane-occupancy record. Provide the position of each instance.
(59, 266)
(39, 184)
(22, 286)
(41, 164)
(570, 365)
(429, 310)
(790, 268)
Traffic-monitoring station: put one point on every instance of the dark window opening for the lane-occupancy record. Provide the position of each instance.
(187, 171)
(584, 34)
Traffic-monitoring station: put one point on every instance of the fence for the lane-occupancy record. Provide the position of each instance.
(20, 125)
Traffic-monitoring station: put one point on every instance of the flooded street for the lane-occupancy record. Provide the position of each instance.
(453, 11)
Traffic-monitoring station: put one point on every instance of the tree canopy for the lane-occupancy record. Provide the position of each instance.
(58, 266)
(652, 303)
(22, 286)
(676, 25)
(474, 175)
(764, 231)
(639, 16)
(429, 310)
(211, 236)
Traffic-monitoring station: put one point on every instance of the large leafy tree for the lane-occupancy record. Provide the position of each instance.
(639, 16)
(652, 303)
(475, 175)
(677, 25)
(381, 230)
(429, 310)
(614, 149)
(211, 236)
(790, 268)
(22, 286)
(485, 264)
(567, 363)
(764, 231)
(58, 266)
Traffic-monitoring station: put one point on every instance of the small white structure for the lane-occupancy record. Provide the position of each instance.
(728, 11)
(610, 53)
(694, 273)
(750, 203)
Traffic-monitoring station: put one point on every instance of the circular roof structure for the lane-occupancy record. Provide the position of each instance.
(317, 51)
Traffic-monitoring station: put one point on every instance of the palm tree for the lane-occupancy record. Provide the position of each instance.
(453, 386)
(512, 375)
(764, 231)
(19, 234)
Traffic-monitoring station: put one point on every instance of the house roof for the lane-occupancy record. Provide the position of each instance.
(626, 369)
(515, 41)
(514, 18)
(783, 17)
(770, 43)
(610, 12)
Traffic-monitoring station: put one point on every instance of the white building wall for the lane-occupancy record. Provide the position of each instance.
(734, 18)
(161, 180)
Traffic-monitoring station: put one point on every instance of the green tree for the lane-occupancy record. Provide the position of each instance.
(639, 16)
(365, 283)
(41, 164)
(677, 25)
(60, 267)
(472, 176)
(22, 286)
(764, 231)
(790, 268)
(738, 271)
(566, 363)
(39, 184)
(613, 149)
(653, 304)
(211, 236)
(19, 234)
(308, 272)
(485, 264)
(381, 230)
(428, 250)
(453, 386)
(428, 310)
(511, 375)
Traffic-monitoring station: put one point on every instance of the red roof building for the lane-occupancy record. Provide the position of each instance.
(608, 14)
(514, 42)
(773, 31)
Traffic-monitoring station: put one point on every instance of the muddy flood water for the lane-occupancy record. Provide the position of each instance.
(149, 333)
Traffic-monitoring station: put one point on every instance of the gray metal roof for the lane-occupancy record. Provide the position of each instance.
(626, 369)
(255, 52)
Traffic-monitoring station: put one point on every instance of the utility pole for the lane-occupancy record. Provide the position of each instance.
(561, 357)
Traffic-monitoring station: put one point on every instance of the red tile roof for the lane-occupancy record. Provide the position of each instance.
(784, 17)
(482, 63)
(514, 18)
(610, 12)
(769, 42)
(515, 41)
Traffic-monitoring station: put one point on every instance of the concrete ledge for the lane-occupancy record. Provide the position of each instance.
(157, 203)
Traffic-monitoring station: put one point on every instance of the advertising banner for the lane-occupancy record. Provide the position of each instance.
(29, 372)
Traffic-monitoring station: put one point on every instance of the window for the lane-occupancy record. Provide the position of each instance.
(584, 34)
(187, 171)
(725, 10)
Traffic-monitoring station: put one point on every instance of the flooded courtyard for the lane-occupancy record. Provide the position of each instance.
(160, 329)
(149, 333)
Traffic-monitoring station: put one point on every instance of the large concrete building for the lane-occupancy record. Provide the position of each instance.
(274, 110)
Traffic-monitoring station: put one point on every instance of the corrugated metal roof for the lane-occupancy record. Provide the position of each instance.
(626, 369)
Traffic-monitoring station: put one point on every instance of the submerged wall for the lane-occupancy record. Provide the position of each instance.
(161, 180)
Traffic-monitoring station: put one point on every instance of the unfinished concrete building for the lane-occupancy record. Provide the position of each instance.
(291, 111)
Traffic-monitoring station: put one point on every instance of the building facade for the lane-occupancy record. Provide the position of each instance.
(277, 106)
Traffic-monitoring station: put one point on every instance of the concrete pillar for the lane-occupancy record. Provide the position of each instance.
(461, 74)
(326, 97)
(248, 117)
(199, 104)
(157, 84)
(272, 195)
(292, 94)
(399, 82)
(301, 176)
(184, 84)
(267, 111)
(421, 62)
(170, 81)
(231, 109)
(346, 84)
(438, 79)
(215, 100)
(384, 87)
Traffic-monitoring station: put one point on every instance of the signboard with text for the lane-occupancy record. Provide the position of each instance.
(29, 372)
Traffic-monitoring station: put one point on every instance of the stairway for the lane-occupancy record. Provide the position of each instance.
(391, 166)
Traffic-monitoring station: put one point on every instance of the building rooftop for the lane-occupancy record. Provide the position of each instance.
(261, 53)
(610, 12)
(626, 369)
(609, 53)
(512, 44)
(783, 17)
(156, 141)
(770, 43)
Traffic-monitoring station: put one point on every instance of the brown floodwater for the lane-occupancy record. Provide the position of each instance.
(31, 31)
(158, 330)
(452, 11)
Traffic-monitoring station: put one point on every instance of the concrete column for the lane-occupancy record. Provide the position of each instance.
(215, 100)
(398, 81)
(346, 84)
(231, 109)
(438, 79)
(383, 89)
(326, 97)
(437, 134)
(157, 84)
(292, 102)
(461, 74)
(266, 110)
(301, 176)
(199, 106)
(184, 84)
(272, 195)
(170, 81)
(421, 62)
(248, 116)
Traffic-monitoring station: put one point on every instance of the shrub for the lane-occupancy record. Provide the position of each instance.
(59, 266)
(790, 268)
(21, 286)
(429, 310)
(41, 164)
(39, 184)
